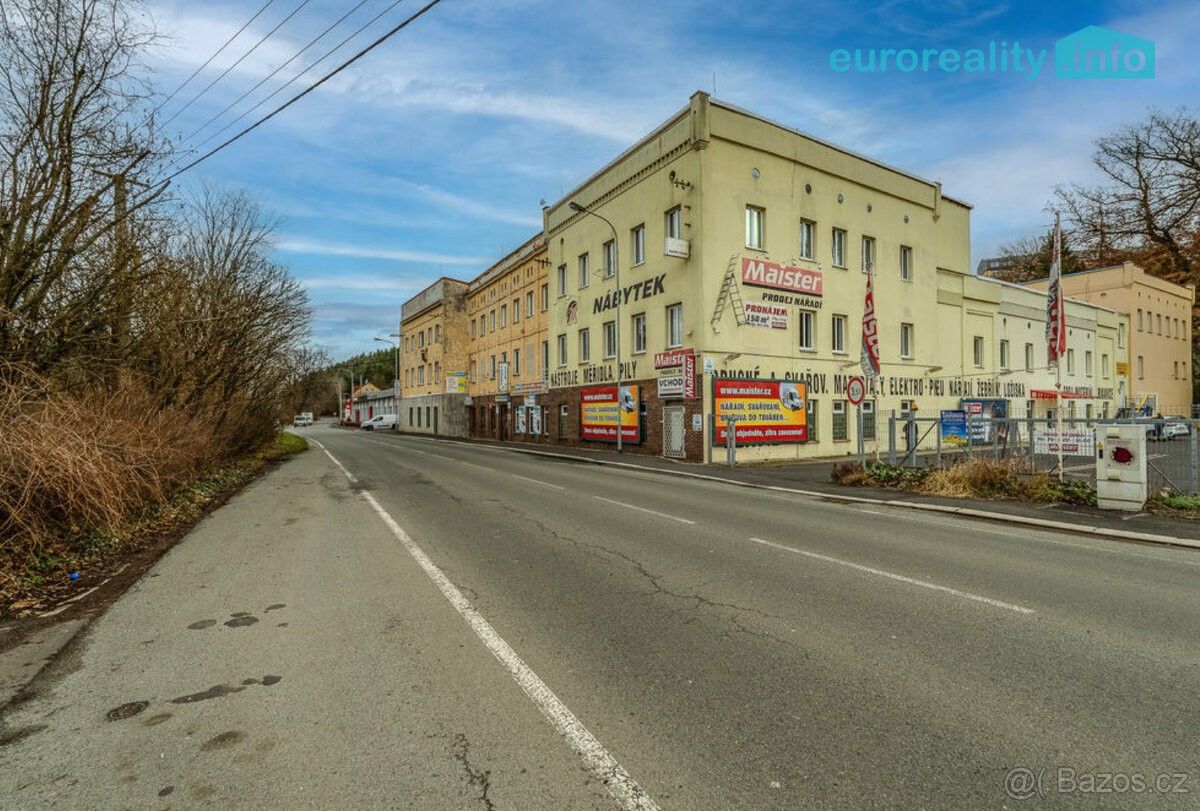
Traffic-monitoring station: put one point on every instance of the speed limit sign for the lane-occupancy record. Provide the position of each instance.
(856, 390)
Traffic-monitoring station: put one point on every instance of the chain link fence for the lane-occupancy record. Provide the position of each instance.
(1032, 444)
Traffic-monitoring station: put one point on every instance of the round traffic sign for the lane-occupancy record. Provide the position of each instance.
(856, 390)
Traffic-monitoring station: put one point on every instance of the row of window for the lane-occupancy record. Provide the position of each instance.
(1176, 327)
(674, 336)
(415, 376)
(487, 321)
(514, 369)
(426, 337)
(756, 231)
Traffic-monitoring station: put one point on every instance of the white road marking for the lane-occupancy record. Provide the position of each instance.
(537, 481)
(898, 577)
(602, 765)
(644, 509)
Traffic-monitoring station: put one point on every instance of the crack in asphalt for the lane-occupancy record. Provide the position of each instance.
(478, 778)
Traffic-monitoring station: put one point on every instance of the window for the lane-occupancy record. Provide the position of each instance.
(421, 376)
(610, 258)
(868, 419)
(675, 325)
(639, 332)
(637, 244)
(837, 334)
(562, 350)
(1104, 368)
(585, 345)
(492, 376)
(1120, 336)
(473, 325)
(808, 337)
(1070, 361)
(516, 364)
(562, 280)
(1004, 363)
(906, 340)
(482, 325)
(492, 318)
(839, 420)
(808, 238)
(811, 408)
(473, 370)
(421, 339)
(1028, 357)
(584, 271)
(1160, 323)
(437, 333)
(906, 263)
(516, 310)
(868, 254)
(978, 346)
(529, 303)
(546, 358)
(838, 247)
(1087, 362)
(755, 222)
(503, 315)
(673, 225)
(1175, 374)
(1139, 319)
(1141, 368)
(610, 339)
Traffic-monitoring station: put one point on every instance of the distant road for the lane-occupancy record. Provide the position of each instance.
(412, 623)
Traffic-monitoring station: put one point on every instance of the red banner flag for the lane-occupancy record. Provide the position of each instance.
(870, 329)
(1056, 316)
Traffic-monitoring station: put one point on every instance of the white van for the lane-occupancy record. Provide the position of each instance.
(381, 421)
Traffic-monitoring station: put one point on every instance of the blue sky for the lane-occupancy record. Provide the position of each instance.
(430, 156)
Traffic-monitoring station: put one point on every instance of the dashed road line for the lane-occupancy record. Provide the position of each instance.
(897, 577)
(644, 509)
(537, 481)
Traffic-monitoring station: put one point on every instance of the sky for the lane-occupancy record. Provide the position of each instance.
(430, 155)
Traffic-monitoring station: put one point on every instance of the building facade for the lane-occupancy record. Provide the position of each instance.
(507, 307)
(433, 357)
(718, 271)
(1159, 369)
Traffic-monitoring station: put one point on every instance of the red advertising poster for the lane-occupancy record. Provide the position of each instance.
(601, 410)
(766, 412)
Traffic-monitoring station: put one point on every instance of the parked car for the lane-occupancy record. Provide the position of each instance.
(1176, 428)
(381, 421)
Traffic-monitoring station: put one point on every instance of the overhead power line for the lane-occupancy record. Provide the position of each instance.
(290, 81)
(239, 61)
(273, 73)
(215, 54)
(383, 38)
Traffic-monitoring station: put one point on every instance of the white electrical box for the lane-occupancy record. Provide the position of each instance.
(1121, 477)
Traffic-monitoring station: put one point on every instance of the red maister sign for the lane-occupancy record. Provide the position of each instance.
(763, 273)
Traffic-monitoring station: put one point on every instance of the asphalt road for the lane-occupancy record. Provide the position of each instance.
(413, 623)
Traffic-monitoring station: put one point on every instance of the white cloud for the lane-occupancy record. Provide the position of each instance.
(311, 246)
(361, 282)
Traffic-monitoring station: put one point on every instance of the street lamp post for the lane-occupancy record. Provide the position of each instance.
(616, 280)
(396, 379)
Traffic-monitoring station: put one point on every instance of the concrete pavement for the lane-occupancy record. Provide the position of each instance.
(726, 647)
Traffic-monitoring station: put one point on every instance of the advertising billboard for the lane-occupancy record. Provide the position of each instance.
(766, 412)
(601, 410)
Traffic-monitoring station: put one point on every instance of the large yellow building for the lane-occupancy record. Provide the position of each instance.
(717, 268)
(433, 358)
(507, 307)
(1160, 332)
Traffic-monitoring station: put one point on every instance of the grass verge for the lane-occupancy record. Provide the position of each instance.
(30, 584)
(977, 478)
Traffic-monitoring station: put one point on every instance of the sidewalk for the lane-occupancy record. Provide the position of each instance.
(814, 477)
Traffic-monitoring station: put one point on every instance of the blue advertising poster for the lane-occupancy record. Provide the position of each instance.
(983, 429)
(954, 428)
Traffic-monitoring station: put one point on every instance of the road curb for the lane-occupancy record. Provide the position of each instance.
(968, 512)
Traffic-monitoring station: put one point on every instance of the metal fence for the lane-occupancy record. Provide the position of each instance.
(1031, 444)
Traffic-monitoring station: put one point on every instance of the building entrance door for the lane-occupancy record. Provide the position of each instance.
(673, 432)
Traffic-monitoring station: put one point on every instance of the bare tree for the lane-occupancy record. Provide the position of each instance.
(1148, 209)
(73, 140)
